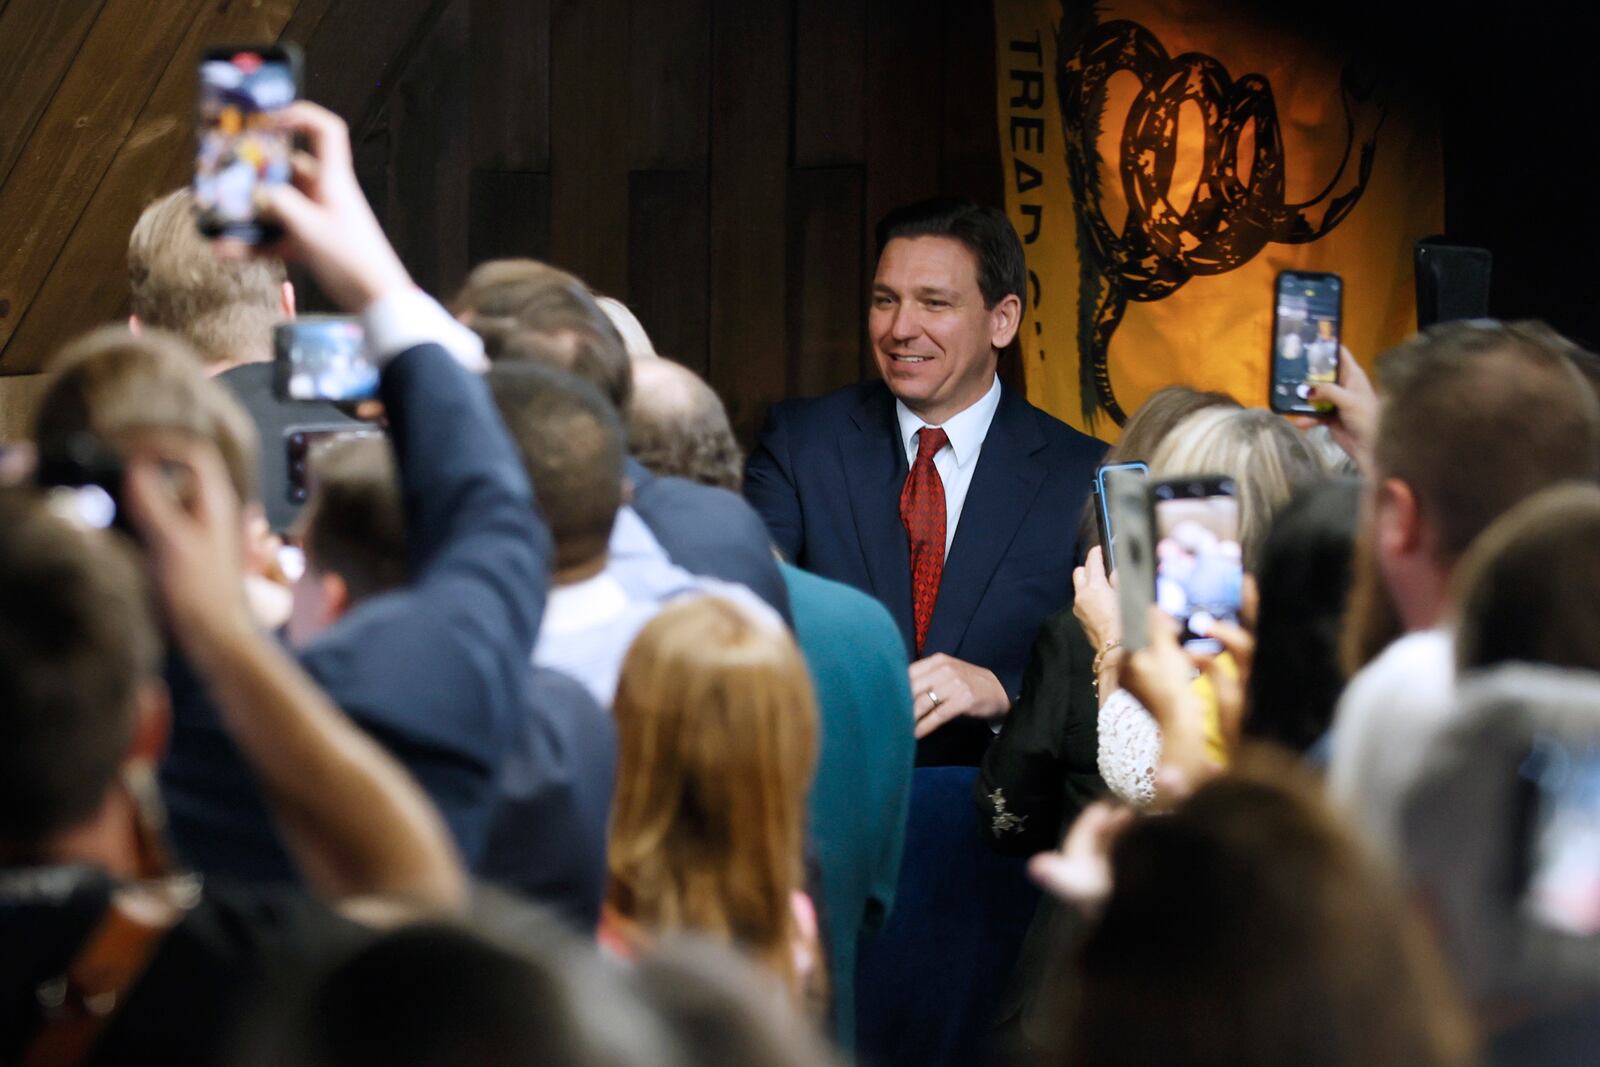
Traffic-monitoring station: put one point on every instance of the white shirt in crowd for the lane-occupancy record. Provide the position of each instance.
(956, 461)
(1385, 723)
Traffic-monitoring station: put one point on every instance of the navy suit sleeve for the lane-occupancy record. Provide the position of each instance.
(438, 670)
(770, 487)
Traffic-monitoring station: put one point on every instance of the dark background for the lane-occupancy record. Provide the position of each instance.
(715, 163)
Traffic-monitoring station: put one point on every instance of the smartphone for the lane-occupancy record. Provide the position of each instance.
(301, 443)
(239, 153)
(322, 357)
(1108, 528)
(1306, 324)
(1199, 566)
(1127, 500)
(1561, 842)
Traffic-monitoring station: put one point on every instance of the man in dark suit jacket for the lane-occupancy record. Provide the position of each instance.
(845, 488)
(437, 669)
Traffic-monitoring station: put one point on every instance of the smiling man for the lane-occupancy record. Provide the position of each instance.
(942, 493)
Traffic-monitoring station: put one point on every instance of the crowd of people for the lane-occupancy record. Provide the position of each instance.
(549, 729)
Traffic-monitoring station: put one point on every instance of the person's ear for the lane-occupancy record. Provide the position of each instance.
(1004, 318)
(335, 597)
(286, 299)
(1399, 519)
(135, 325)
(152, 723)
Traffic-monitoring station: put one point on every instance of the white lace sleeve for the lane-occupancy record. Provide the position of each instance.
(1130, 748)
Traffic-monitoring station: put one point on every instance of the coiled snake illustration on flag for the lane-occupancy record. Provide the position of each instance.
(1228, 219)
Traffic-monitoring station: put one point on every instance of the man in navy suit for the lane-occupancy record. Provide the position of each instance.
(947, 496)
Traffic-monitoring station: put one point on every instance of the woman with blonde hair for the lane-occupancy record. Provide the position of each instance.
(717, 742)
(1268, 461)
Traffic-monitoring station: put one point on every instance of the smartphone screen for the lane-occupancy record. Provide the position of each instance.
(323, 357)
(1199, 564)
(1102, 496)
(239, 153)
(301, 445)
(1305, 339)
(1563, 848)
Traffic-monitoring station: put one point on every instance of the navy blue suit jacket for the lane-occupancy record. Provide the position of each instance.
(710, 532)
(547, 840)
(827, 474)
(436, 671)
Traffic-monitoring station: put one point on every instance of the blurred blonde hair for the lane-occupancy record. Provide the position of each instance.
(112, 383)
(717, 741)
(226, 309)
(1257, 449)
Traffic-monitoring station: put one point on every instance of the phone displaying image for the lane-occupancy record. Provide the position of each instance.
(323, 357)
(1562, 848)
(1127, 498)
(301, 444)
(1108, 528)
(239, 153)
(1306, 324)
(1199, 568)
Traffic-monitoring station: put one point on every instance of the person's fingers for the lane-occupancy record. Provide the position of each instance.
(1236, 640)
(297, 213)
(1328, 393)
(326, 133)
(155, 513)
(1304, 422)
(1112, 580)
(307, 172)
(1080, 577)
(215, 501)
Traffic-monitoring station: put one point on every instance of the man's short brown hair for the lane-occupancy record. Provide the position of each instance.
(506, 300)
(76, 644)
(112, 383)
(354, 525)
(224, 308)
(571, 443)
(1478, 416)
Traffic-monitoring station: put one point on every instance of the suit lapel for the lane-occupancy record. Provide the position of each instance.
(875, 470)
(1003, 489)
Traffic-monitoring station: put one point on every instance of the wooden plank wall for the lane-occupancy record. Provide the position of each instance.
(717, 164)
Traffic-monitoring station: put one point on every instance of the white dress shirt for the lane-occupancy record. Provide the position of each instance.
(956, 461)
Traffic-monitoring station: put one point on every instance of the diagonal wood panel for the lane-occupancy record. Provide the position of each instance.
(88, 283)
(74, 143)
(38, 40)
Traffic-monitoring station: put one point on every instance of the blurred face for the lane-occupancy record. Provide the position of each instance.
(934, 341)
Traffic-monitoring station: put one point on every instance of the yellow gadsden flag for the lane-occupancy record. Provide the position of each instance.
(1164, 161)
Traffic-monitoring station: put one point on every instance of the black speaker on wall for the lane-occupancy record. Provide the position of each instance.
(1452, 281)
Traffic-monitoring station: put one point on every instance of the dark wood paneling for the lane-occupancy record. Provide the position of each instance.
(668, 255)
(588, 141)
(510, 216)
(905, 61)
(511, 85)
(827, 305)
(668, 68)
(88, 282)
(750, 81)
(38, 41)
(80, 132)
(971, 145)
(830, 82)
(428, 119)
(358, 49)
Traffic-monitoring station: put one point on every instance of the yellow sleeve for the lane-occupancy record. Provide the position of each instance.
(1215, 747)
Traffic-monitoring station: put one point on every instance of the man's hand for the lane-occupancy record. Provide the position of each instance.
(1354, 420)
(182, 505)
(1094, 601)
(328, 224)
(943, 687)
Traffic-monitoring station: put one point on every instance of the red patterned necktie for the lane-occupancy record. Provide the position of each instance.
(922, 511)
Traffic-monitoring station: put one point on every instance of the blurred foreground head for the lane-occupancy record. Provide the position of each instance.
(1247, 928)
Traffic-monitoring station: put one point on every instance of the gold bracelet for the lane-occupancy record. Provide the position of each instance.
(1100, 657)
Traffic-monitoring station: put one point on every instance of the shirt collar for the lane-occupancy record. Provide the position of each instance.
(966, 429)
